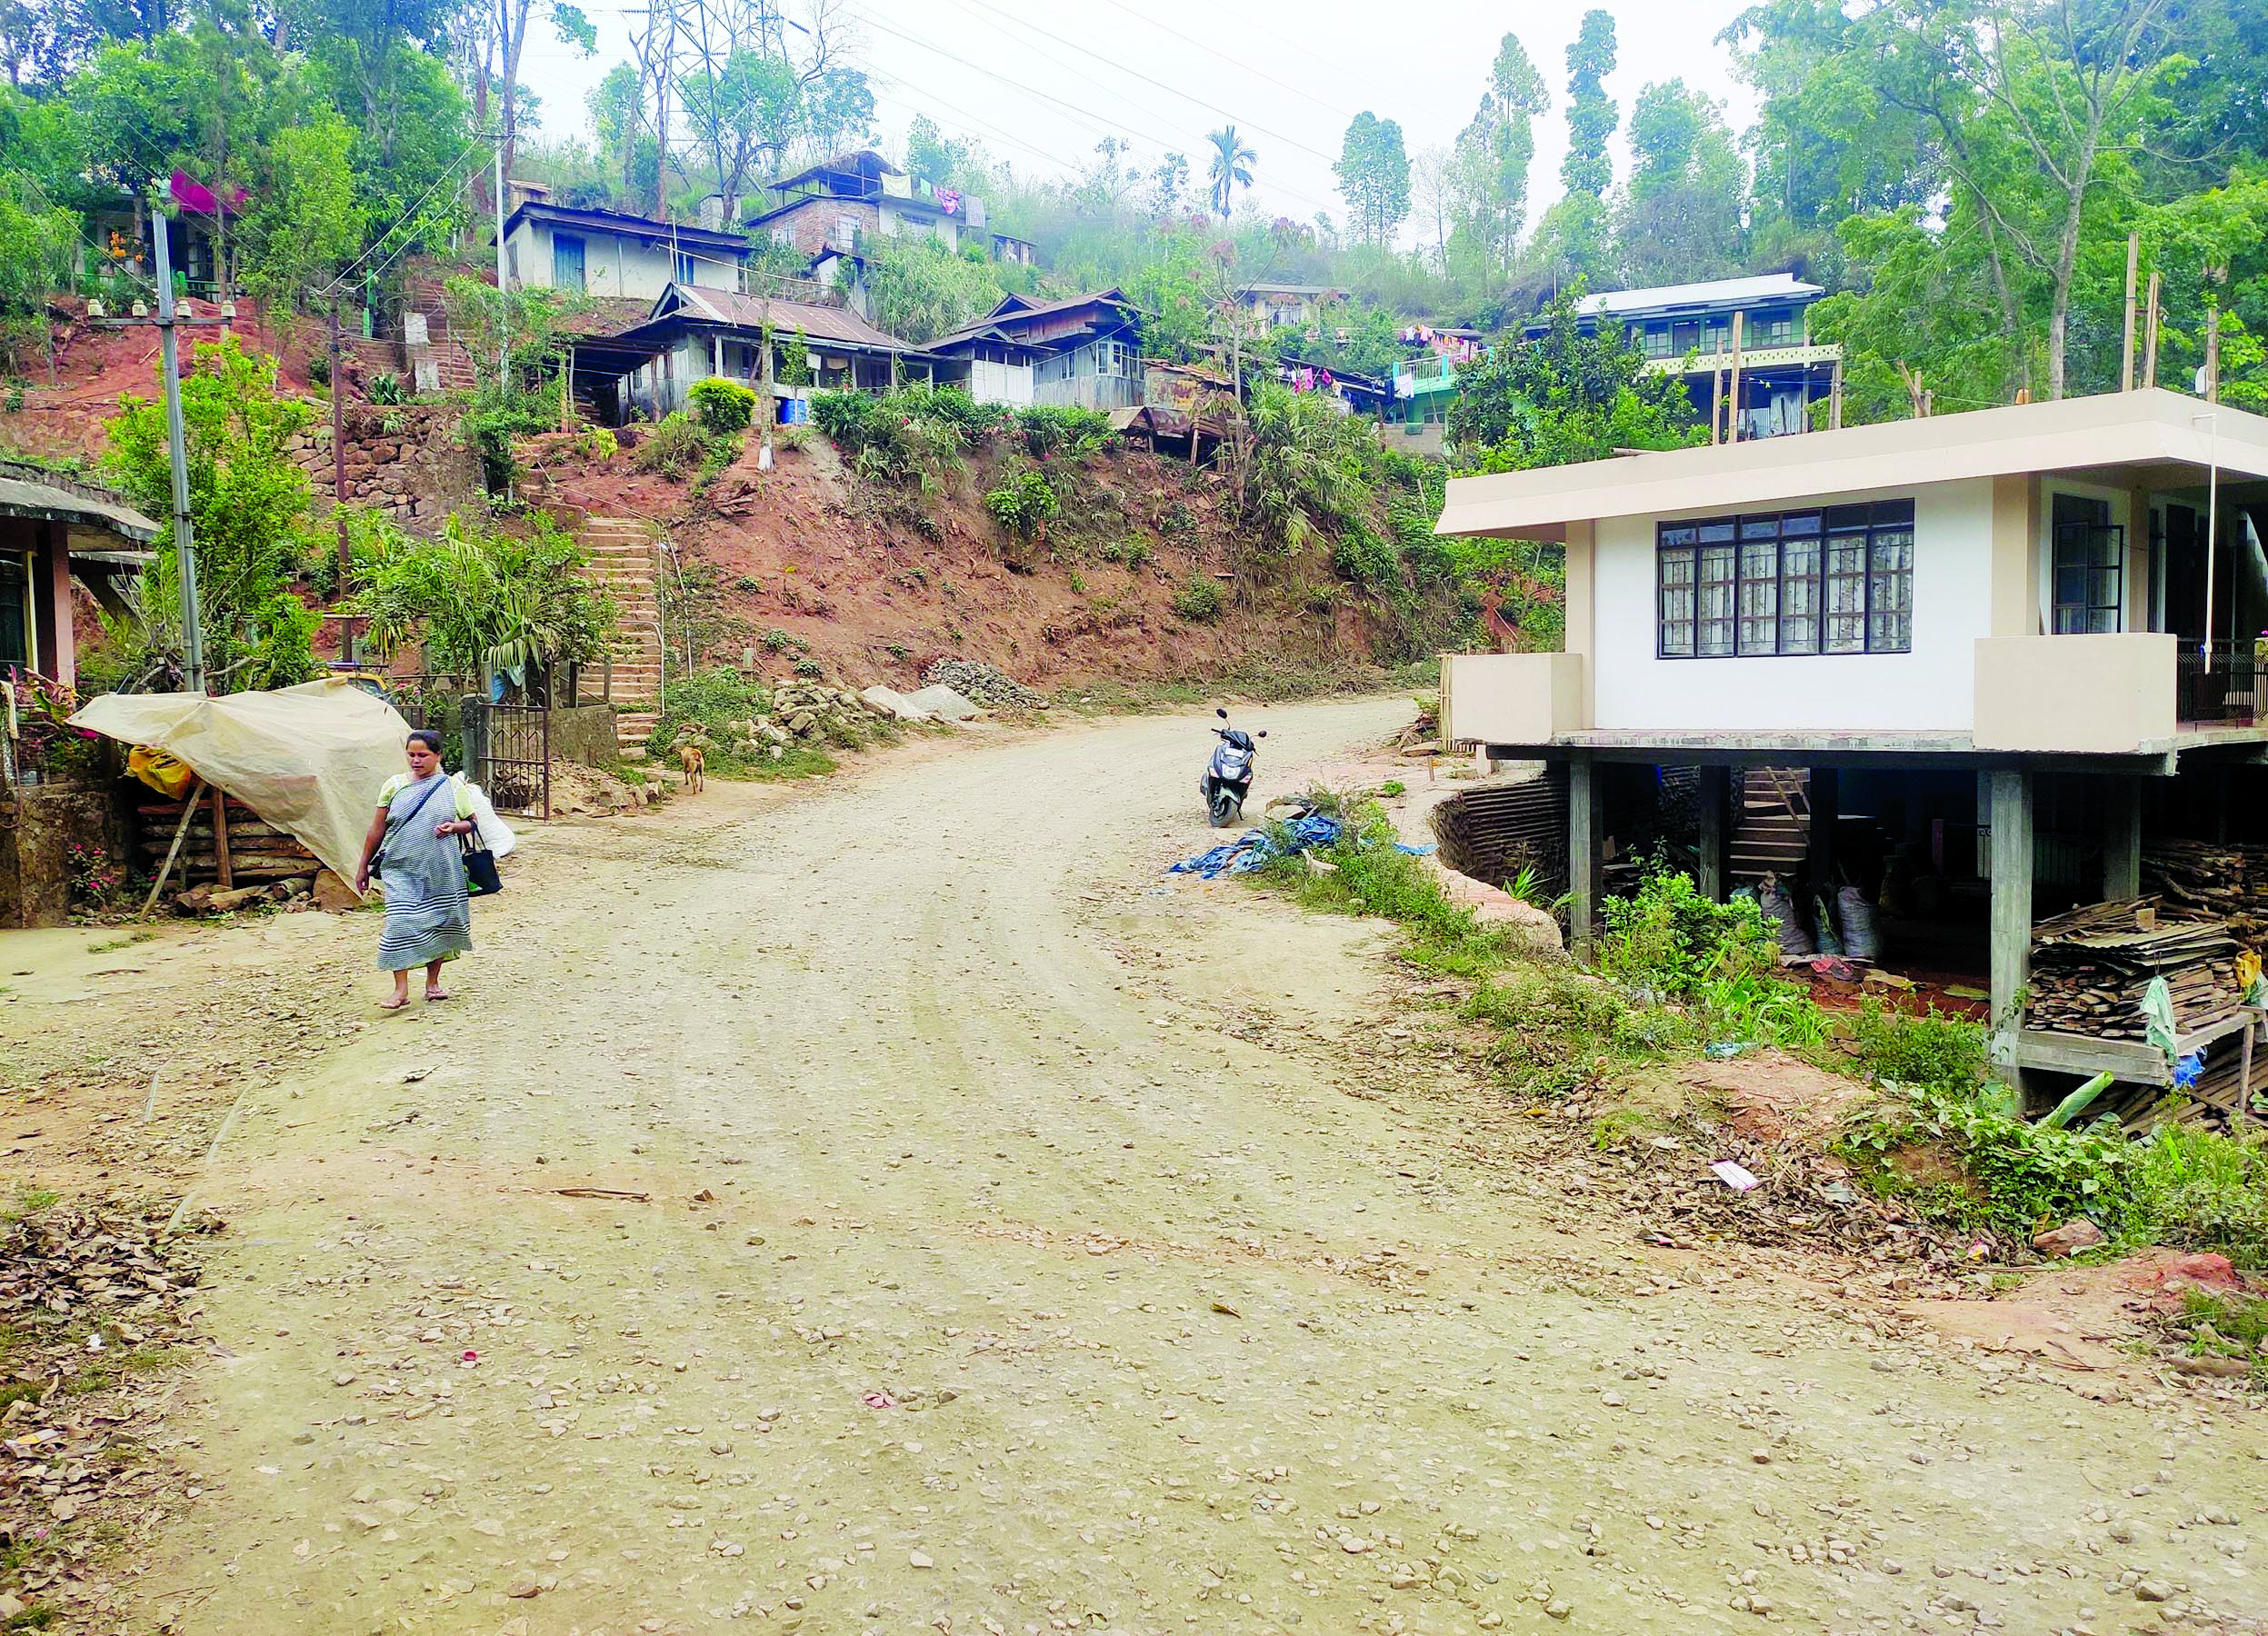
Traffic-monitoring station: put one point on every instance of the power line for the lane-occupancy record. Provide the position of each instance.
(1196, 102)
(1078, 115)
(339, 282)
(1231, 62)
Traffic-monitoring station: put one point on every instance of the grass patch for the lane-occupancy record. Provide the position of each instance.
(2231, 1325)
(28, 1200)
(127, 941)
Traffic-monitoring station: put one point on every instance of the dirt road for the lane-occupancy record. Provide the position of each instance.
(1028, 1246)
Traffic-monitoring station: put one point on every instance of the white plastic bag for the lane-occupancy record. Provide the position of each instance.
(495, 834)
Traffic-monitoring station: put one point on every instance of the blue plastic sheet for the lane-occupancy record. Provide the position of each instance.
(1255, 847)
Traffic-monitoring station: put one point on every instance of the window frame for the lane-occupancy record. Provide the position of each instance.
(1721, 583)
(2099, 529)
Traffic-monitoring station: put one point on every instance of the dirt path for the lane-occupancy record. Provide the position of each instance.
(1196, 1309)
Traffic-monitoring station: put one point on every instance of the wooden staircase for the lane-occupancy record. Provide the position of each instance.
(626, 558)
(1771, 830)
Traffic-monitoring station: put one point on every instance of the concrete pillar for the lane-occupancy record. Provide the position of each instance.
(1714, 875)
(1826, 799)
(2011, 905)
(2121, 839)
(1587, 848)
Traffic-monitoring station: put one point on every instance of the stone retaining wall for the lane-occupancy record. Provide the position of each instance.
(406, 460)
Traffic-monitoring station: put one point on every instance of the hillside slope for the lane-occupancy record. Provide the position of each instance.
(875, 581)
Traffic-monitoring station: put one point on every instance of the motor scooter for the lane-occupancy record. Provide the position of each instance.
(1228, 777)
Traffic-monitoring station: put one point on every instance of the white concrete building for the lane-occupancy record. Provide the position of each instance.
(604, 252)
(2036, 622)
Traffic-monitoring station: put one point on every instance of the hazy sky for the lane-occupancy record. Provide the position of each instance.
(1040, 82)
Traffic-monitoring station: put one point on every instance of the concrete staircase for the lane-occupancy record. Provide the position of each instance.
(625, 559)
(1772, 827)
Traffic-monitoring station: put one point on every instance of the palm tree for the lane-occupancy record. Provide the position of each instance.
(1231, 165)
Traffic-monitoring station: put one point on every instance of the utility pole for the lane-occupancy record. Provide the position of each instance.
(338, 448)
(2150, 334)
(504, 302)
(184, 537)
(766, 405)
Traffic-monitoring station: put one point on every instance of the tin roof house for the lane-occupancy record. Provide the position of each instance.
(1085, 351)
(1979, 660)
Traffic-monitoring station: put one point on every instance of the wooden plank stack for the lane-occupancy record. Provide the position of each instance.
(2091, 967)
(258, 853)
(2203, 878)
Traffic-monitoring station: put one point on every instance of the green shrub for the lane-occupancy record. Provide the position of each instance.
(722, 406)
(677, 443)
(1199, 602)
(1363, 558)
(385, 387)
(1670, 939)
(1051, 429)
(1024, 508)
(1133, 552)
(1931, 1050)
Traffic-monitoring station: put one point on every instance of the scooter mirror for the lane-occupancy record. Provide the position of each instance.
(1262, 733)
(1222, 713)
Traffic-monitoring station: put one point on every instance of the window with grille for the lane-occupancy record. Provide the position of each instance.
(1837, 581)
(2090, 566)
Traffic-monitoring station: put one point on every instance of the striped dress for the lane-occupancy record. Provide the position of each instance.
(427, 914)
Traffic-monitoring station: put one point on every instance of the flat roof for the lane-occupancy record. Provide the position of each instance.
(2144, 429)
(1713, 292)
(23, 495)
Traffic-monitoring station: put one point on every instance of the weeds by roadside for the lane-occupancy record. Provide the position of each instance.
(1677, 972)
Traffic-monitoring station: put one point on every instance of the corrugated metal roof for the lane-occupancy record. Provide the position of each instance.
(1769, 286)
(1016, 310)
(624, 225)
(817, 322)
(23, 497)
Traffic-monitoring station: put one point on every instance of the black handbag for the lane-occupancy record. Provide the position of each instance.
(481, 877)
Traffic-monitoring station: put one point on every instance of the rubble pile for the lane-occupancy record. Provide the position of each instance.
(982, 684)
(89, 1298)
(810, 713)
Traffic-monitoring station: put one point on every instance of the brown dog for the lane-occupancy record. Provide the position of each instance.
(695, 762)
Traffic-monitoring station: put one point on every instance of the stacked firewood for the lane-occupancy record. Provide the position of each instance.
(2090, 969)
(2203, 878)
(258, 853)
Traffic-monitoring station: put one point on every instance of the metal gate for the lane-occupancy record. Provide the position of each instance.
(518, 758)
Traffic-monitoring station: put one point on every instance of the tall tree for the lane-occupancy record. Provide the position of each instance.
(1589, 168)
(1681, 215)
(1489, 166)
(1373, 172)
(1233, 160)
(2040, 108)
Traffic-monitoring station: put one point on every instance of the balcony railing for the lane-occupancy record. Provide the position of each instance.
(2216, 684)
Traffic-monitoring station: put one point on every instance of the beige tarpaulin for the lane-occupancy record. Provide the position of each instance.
(308, 759)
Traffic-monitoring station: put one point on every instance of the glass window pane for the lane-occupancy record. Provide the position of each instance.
(1677, 534)
(1841, 518)
(1846, 596)
(1799, 596)
(1715, 530)
(1894, 513)
(1760, 528)
(1760, 597)
(1890, 592)
(1713, 636)
(1676, 636)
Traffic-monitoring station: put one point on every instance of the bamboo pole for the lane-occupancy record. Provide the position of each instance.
(2212, 355)
(181, 831)
(222, 865)
(2150, 334)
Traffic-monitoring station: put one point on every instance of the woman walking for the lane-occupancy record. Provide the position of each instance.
(413, 841)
